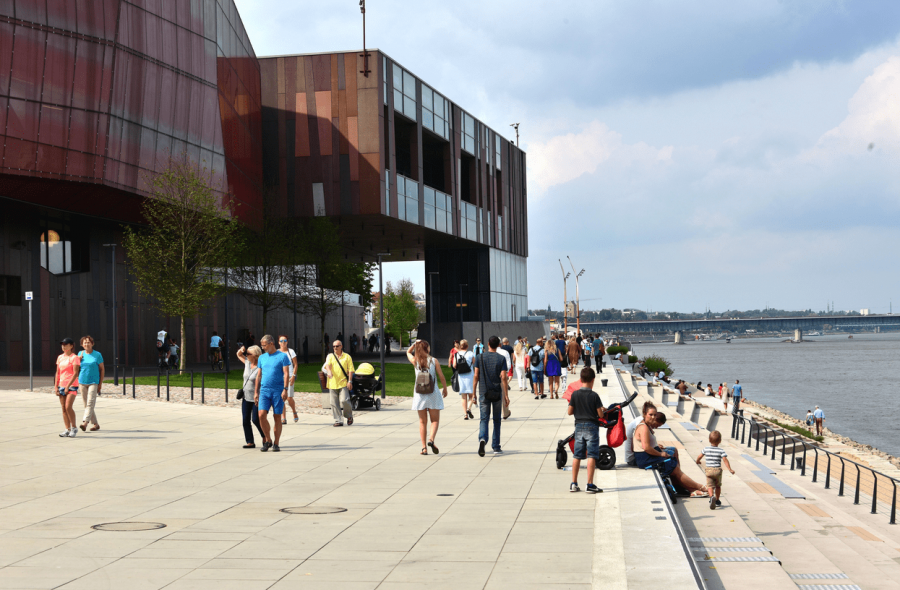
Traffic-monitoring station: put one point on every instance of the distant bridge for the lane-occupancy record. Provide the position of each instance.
(740, 325)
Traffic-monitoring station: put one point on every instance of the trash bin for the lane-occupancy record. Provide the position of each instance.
(604, 382)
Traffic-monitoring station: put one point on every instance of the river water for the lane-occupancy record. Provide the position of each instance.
(854, 381)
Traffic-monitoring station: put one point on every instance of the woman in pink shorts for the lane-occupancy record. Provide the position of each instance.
(66, 385)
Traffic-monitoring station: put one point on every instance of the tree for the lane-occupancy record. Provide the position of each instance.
(401, 314)
(264, 273)
(190, 230)
(324, 274)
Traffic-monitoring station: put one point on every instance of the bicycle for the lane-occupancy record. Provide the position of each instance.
(215, 359)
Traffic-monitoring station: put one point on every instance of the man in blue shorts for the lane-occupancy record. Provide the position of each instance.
(585, 405)
(271, 389)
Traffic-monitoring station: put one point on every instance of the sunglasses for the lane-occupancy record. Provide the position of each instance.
(283, 340)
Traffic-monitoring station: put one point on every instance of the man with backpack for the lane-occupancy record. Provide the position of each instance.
(537, 368)
(491, 382)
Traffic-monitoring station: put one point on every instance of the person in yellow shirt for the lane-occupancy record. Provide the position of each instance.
(339, 368)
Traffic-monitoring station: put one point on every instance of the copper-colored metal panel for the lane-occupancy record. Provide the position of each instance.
(334, 75)
(353, 141)
(372, 80)
(290, 82)
(323, 116)
(342, 122)
(300, 74)
(280, 74)
(369, 104)
(350, 79)
(321, 72)
(369, 184)
(301, 131)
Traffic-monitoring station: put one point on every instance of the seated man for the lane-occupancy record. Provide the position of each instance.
(648, 454)
(682, 387)
(662, 377)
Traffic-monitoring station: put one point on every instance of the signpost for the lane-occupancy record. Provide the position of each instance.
(29, 297)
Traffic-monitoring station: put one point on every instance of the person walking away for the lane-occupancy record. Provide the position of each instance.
(453, 352)
(585, 405)
(249, 409)
(479, 347)
(215, 344)
(597, 350)
(572, 354)
(735, 400)
(720, 390)
(510, 352)
(502, 352)
(427, 400)
(537, 369)
(251, 340)
(66, 385)
(738, 390)
(493, 392)
(270, 390)
(339, 368)
(462, 362)
(715, 456)
(563, 361)
(292, 356)
(819, 416)
(552, 368)
(520, 360)
(586, 351)
(90, 381)
(810, 419)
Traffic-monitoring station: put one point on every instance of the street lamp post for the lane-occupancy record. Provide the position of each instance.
(381, 306)
(431, 309)
(115, 318)
(565, 299)
(461, 285)
(577, 300)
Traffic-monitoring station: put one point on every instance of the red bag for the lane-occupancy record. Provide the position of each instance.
(615, 436)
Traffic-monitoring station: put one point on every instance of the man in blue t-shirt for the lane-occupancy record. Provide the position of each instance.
(738, 391)
(271, 389)
(819, 416)
(215, 343)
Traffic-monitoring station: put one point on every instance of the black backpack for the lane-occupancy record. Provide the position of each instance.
(535, 356)
(462, 365)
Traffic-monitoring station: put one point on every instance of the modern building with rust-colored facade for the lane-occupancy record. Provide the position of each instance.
(96, 94)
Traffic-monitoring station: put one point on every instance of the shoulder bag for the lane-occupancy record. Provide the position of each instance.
(240, 394)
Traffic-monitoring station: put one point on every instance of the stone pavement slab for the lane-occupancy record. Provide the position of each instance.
(453, 520)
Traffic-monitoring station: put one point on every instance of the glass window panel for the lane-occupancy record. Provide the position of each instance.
(409, 85)
(398, 78)
(427, 120)
(427, 98)
(468, 124)
(398, 101)
(412, 211)
(429, 196)
(401, 207)
(429, 216)
(409, 107)
(401, 185)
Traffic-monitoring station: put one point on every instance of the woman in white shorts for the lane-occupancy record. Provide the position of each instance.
(466, 380)
(283, 347)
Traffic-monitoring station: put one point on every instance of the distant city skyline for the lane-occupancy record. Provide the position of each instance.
(685, 154)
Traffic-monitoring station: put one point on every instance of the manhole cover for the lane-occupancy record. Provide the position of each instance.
(128, 526)
(314, 510)
(445, 494)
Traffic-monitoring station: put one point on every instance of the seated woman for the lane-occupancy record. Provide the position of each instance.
(648, 454)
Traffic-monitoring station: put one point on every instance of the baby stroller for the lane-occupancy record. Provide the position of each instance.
(612, 417)
(365, 387)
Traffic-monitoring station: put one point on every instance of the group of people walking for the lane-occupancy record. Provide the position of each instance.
(80, 373)
(553, 358)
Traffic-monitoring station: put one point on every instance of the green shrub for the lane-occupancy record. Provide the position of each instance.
(614, 350)
(632, 359)
(798, 430)
(656, 363)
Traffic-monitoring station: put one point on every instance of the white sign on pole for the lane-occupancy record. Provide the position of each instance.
(29, 295)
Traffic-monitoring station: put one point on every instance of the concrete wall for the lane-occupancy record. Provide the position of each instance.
(446, 332)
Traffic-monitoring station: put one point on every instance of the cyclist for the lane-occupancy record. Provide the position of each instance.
(214, 344)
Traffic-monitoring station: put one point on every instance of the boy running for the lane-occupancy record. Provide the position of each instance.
(714, 458)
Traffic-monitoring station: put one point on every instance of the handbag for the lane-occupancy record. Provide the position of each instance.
(240, 393)
(454, 381)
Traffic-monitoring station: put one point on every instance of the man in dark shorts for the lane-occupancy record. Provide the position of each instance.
(585, 405)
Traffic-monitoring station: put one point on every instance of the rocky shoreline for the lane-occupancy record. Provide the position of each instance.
(830, 436)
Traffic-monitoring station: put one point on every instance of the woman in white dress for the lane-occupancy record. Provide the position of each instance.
(428, 405)
(467, 379)
(519, 363)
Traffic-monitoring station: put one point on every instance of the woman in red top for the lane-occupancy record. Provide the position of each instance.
(66, 383)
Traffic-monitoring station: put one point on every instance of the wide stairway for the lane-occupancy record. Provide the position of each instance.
(776, 528)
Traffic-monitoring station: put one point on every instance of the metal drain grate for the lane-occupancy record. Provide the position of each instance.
(314, 510)
(445, 494)
(724, 540)
(744, 559)
(128, 526)
(840, 576)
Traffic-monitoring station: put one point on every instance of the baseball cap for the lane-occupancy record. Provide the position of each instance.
(67, 341)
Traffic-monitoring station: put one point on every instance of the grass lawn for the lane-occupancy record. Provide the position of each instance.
(400, 378)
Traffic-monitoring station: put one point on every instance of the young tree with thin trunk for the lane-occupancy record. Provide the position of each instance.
(190, 230)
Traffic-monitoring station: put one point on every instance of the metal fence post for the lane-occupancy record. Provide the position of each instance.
(803, 465)
(192, 386)
(133, 392)
(793, 453)
(783, 446)
(874, 494)
(894, 504)
(202, 388)
(774, 442)
(841, 489)
(856, 496)
(167, 386)
(828, 473)
(124, 390)
(157, 383)
(226, 387)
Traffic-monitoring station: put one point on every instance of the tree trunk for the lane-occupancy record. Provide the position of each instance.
(182, 359)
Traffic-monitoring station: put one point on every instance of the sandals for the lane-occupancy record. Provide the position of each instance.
(699, 494)
(470, 414)
(465, 416)
(434, 449)
(424, 451)
(283, 421)
(296, 417)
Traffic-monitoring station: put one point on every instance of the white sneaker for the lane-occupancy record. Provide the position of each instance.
(72, 433)
(64, 433)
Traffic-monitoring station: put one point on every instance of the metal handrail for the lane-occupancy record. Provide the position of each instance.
(740, 422)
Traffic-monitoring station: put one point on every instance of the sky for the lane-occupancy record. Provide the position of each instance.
(692, 154)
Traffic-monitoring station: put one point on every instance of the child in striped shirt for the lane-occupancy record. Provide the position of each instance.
(714, 458)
